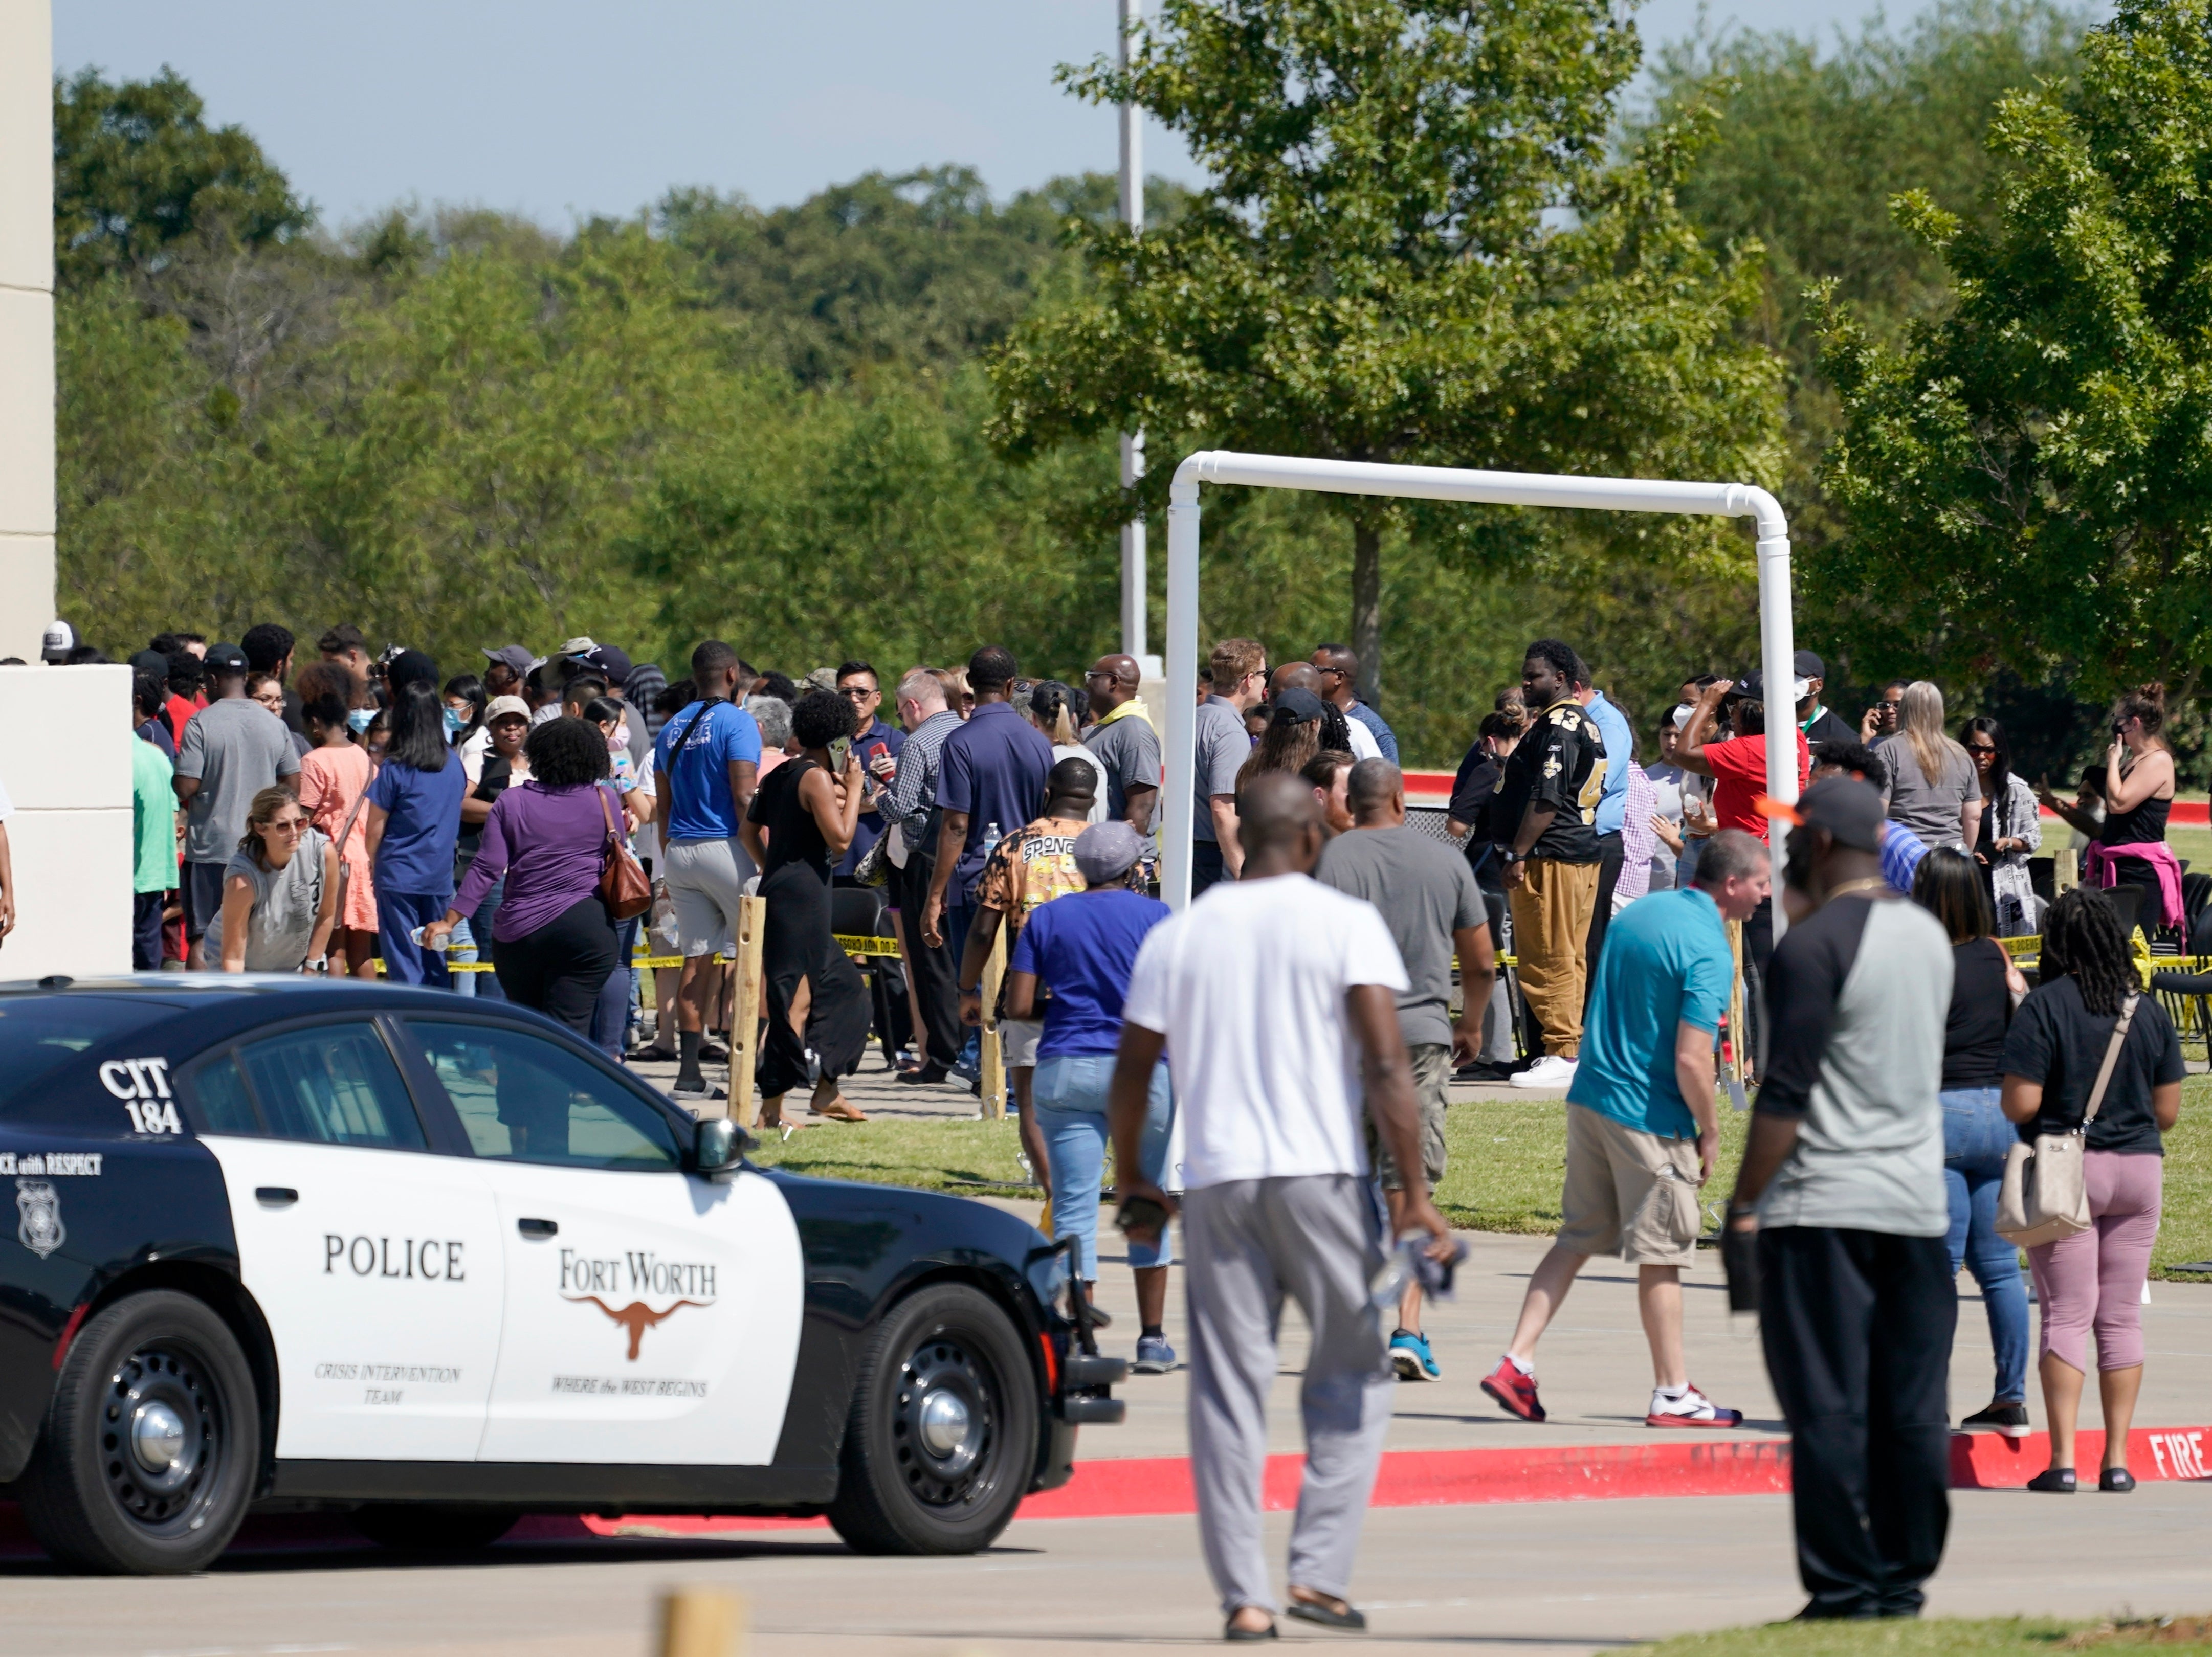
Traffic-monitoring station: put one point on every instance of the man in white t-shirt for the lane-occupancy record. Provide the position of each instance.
(1276, 999)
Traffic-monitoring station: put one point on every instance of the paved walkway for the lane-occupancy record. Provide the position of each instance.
(1554, 1577)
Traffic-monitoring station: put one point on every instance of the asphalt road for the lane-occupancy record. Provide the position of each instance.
(1561, 1577)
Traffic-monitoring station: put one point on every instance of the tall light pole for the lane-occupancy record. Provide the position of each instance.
(1134, 580)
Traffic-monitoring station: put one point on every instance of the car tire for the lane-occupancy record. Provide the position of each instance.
(942, 1437)
(434, 1527)
(152, 1444)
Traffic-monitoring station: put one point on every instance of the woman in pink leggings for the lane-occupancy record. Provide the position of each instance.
(2092, 1282)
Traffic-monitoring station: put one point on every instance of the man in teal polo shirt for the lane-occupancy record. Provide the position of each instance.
(1642, 1134)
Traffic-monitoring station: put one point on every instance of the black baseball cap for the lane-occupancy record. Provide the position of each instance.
(1806, 665)
(1851, 810)
(224, 658)
(1296, 707)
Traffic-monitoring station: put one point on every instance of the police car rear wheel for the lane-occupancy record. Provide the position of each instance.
(943, 1432)
(147, 1458)
(433, 1528)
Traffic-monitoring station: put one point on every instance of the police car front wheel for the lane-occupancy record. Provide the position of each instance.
(146, 1460)
(943, 1432)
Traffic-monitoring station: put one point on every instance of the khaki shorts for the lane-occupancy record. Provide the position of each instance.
(1432, 1074)
(1017, 1041)
(1629, 1193)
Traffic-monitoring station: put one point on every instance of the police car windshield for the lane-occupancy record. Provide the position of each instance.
(41, 1035)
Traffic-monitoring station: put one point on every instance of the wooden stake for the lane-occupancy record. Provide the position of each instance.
(702, 1622)
(993, 1076)
(744, 1016)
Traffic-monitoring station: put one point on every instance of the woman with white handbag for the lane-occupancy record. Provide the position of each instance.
(2093, 1075)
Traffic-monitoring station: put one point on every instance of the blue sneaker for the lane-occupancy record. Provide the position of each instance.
(1411, 1357)
(1154, 1356)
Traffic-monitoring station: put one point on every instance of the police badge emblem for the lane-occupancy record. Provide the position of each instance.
(41, 1229)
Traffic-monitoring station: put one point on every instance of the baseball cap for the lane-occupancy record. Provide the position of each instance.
(611, 662)
(1296, 707)
(1848, 808)
(150, 661)
(1806, 666)
(1107, 850)
(224, 658)
(60, 639)
(500, 706)
(1751, 684)
(578, 645)
(515, 656)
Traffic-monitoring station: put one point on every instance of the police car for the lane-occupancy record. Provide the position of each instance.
(286, 1243)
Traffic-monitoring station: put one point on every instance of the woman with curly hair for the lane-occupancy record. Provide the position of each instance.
(552, 942)
(802, 820)
(2093, 1279)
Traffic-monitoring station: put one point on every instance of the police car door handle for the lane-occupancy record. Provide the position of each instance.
(275, 1196)
(537, 1228)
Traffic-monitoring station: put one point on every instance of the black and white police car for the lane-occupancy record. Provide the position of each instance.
(289, 1243)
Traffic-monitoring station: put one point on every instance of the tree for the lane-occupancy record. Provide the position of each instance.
(1413, 249)
(137, 169)
(2028, 478)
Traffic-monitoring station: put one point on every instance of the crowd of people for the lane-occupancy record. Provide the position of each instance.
(1302, 1022)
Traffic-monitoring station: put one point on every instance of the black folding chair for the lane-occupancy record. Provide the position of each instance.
(863, 911)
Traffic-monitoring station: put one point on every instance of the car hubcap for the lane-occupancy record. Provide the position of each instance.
(161, 1437)
(945, 1424)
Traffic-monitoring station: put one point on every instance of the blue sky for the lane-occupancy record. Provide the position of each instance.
(559, 108)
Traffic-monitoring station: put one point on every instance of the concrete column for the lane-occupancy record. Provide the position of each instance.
(64, 732)
(27, 325)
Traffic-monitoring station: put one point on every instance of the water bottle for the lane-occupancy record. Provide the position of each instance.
(990, 840)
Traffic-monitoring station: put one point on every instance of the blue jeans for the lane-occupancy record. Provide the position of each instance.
(959, 921)
(1976, 1140)
(406, 961)
(487, 987)
(1069, 1094)
(611, 1019)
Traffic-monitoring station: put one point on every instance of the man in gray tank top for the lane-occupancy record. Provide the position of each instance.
(1843, 1181)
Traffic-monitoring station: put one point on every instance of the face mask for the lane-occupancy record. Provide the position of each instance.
(454, 722)
(358, 721)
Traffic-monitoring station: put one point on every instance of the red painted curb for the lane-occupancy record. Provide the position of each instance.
(1153, 1486)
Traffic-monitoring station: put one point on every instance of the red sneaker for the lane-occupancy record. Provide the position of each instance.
(1515, 1392)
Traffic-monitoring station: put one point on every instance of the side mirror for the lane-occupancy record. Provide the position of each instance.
(719, 1143)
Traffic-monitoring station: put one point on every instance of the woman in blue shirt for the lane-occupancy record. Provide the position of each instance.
(1079, 952)
(413, 821)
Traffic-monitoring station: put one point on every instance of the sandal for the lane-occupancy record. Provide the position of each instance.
(1326, 1616)
(840, 1109)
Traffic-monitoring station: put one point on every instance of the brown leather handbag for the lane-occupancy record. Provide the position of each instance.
(623, 885)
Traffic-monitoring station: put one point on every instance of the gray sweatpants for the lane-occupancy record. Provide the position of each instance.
(1249, 1243)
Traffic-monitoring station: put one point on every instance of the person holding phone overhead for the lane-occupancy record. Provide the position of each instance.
(800, 822)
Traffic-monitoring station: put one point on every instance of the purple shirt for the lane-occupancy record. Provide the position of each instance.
(550, 843)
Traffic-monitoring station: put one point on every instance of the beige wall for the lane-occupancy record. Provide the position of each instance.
(66, 761)
(27, 326)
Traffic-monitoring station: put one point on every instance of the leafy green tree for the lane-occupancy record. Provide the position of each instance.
(2028, 478)
(137, 169)
(1413, 249)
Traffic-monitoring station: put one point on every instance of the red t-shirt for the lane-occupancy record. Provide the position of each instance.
(180, 712)
(1739, 766)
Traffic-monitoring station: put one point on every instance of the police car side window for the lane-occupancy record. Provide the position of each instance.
(523, 1099)
(334, 1084)
(216, 1092)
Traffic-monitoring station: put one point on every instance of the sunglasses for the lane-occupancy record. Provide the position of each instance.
(1981, 748)
(859, 693)
(285, 825)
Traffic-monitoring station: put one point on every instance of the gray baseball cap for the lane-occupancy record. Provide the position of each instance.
(1107, 850)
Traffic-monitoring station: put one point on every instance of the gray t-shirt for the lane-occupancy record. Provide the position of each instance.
(1857, 998)
(236, 748)
(1130, 752)
(285, 903)
(1221, 745)
(1426, 892)
(1929, 808)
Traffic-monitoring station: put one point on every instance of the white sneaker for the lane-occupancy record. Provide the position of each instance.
(1549, 1071)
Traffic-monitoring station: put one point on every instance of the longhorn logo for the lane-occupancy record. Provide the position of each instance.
(637, 1317)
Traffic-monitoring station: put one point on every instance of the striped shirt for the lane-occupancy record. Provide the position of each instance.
(911, 802)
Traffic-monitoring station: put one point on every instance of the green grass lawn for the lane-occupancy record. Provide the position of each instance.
(1506, 1162)
(1941, 1636)
(2192, 845)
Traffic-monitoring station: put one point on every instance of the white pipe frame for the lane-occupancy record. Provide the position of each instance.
(1778, 650)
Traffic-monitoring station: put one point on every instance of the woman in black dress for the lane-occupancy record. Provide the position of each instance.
(802, 820)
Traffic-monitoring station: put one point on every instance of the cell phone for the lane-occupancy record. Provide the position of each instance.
(840, 748)
(1140, 1214)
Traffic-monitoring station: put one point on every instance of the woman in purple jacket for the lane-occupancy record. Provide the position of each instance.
(553, 946)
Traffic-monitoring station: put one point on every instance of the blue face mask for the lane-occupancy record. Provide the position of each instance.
(454, 724)
(358, 721)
